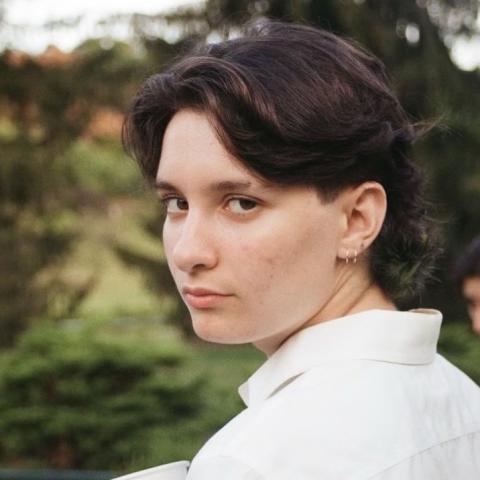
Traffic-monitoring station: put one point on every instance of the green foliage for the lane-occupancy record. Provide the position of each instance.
(101, 167)
(159, 280)
(28, 243)
(462, 348)
(74, 398)
(44, 109)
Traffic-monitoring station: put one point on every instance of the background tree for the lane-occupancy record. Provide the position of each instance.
(46, 104)
(158, 279)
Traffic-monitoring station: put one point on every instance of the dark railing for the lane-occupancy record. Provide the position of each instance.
(17, 474)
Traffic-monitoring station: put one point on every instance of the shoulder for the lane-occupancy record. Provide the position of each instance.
(359, 416)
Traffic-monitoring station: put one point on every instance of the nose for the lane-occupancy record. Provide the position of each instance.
(194, 248)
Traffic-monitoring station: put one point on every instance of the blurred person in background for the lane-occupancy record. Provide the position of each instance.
(467, 277)
(295, 221)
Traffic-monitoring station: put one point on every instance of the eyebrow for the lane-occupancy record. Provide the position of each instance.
(222, 186)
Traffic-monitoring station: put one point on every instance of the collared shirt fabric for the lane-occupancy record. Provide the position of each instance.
(362, 397)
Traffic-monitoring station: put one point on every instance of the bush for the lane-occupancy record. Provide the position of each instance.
(462, 348)
(77, 399)
(101, 166)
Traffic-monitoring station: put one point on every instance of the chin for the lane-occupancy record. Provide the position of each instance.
(217, 331)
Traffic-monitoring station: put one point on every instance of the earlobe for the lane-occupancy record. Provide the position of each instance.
(351, 256)
(365, 208)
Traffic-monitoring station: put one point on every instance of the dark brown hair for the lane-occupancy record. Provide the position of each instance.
(468, 265)
(299, 105)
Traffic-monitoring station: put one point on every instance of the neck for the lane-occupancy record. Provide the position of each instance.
(353, 292)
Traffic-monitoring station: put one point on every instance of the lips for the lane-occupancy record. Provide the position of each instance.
(199, 297)
(198, 291)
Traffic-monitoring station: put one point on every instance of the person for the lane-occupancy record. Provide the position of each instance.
(295, 221)
(467, 277)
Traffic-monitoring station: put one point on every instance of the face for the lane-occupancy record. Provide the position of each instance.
(254, 262)
(471, 292)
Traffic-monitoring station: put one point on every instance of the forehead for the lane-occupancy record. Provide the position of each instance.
(191, 148)
(194, 159)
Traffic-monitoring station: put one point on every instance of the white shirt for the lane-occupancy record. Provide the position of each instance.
(360, 397)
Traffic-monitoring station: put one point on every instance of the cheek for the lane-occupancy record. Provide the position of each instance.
(256, 267)
(257, 260)
(281, 262)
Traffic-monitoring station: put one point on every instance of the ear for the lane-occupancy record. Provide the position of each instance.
(364, 208)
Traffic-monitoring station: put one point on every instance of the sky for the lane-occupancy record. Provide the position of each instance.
(33, 14)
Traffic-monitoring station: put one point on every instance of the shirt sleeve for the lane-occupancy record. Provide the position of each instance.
(222, 468)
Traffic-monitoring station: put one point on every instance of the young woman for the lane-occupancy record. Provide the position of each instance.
(295, 221)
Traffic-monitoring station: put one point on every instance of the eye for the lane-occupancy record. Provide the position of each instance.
(241, 205)
(174, 204)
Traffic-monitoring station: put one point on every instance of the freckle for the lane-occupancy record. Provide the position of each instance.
(271, 260)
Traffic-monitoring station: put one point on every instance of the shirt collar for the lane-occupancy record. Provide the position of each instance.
(383, 335)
